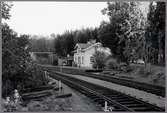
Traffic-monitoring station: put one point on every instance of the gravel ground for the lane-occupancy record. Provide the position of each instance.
(79, 102)
(147, 97)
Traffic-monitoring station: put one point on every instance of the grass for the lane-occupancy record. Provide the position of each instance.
(136, 73)
(155, 77)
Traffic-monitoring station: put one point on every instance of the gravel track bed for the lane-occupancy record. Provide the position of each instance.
(147, 97)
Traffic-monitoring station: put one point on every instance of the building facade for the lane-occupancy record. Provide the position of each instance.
(83, 54)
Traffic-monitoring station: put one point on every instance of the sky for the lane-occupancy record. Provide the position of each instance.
(45, 18)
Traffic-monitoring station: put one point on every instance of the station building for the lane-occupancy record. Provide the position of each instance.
(83, 54)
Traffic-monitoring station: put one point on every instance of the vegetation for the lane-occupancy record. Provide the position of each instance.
(41, 44)
(65, 43)
(18, 72)
(124, 30)
(129, 34)
(99, 60)
(155, 34)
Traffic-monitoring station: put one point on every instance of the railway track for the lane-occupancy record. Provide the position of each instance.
(158, 90)
(99, 94)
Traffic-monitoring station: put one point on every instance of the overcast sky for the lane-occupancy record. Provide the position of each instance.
(45, 18)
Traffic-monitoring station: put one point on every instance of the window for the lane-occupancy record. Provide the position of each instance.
(79, 60)
(91, 59)
(75, 58)
(82, 59)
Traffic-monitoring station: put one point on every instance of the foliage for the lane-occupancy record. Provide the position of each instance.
(155, 33)
(99, 60)
(112, 64)
(55, 62)
(35, 76)
(45, 55)
(65, 43)
(15, 52)
(124, 31)
(15, 55)
(5, 9)
(41, 44)
(16, 59)
(12, 103)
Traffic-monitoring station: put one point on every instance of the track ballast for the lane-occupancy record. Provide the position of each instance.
(119, 101)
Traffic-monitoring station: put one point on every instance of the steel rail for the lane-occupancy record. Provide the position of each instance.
(75, 83)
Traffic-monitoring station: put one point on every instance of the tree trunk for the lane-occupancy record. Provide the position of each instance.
(147, 68)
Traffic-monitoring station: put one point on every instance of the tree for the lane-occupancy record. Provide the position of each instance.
(15, 55)
(124, 30)
(107, 36)
(64, 44)
(15, 58)
(155, 32)
(41, 44)
(99, 60)
(5, 9)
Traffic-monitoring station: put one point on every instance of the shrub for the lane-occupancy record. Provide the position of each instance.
(55, 62)
(99, 60)
(36, 75)
(112, 64)
(74, 64)
(125, 68)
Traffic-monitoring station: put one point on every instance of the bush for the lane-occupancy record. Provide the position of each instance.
(112, 65)
(74, 64)
(125, 68)
(99, 60)
(55, 62)
(32, 76)
(36, 76)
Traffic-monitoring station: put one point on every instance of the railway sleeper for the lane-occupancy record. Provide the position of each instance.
(91, 96)
(114, 96)
(98, 99)
(153, 107)
(111, 104)
(112, 93)
(101, 102)
(143, 109)
(115, 108)
(136, 105)
(118, 110)
(121, 99)
(118, 97)
(95, 98)
(128, 102)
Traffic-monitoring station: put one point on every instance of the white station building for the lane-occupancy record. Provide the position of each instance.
(83, 53)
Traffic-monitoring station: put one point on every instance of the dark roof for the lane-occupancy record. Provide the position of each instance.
(83, 46)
